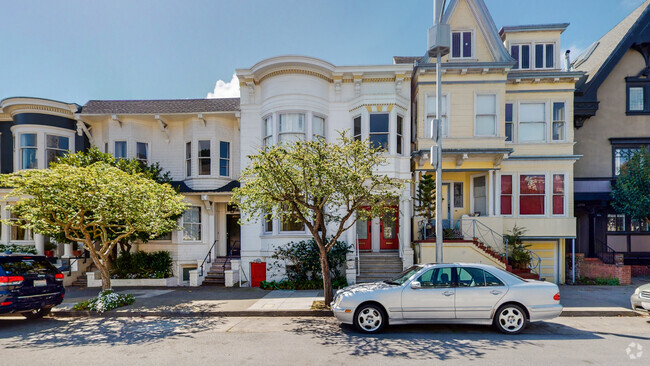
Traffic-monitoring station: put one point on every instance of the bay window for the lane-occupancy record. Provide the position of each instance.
(192, 224)
(268, 223)
(509, 122)
(558, 194)
(28, 149)
(142, 152)
(292, 127)
(486, 115)
(532, 189)
(318, 127)
(188, 159)
(506, 195)
(532, 122)
(431, 116)
(400, 132)
(559, 122)
(18, 232)
(205, 161)
(379, 130)
(357, 128)
(120, 150)
(55, 146)
(224, 158)
(267, 135)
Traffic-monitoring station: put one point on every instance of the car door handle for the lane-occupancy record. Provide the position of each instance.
(495, 292)
(448, 293)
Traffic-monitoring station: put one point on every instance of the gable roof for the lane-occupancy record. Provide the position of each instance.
(485, 25)
(162, 106)
(609, 49)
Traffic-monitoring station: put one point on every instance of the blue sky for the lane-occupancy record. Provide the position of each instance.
(76, 50)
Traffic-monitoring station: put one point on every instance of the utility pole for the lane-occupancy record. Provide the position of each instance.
(439, 39)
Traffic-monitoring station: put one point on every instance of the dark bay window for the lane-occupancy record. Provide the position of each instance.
(379, 130)
(188, 159)
(142, 152)
(224, 158)
(205, 161)
(558, 194)
(357, 128)
(509, 121)
(120, 150)
(400, 123)
(544, 56)
(532, 189)
(55, 146)
(28, 148)
(506, 195)
(461, 44)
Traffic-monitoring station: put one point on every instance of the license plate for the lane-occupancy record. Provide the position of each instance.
(646, 305)
(40, 283)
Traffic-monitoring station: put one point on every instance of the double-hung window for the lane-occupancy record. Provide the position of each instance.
(532, 190)
(379, 130)
(292, 127)
(267, 139)
(267, 223)
(521, 53)
(544, 55)
(431, 116)
(192, 224)
(622, 155)
(486, 115)
(558, 194)
(506, 195)
(188, 159)
(55, 146)
(559, 121)
(18, 232)
(28, 149)
(400, 133)
(205, 160)
(357, 128)
(318, 127)
(638, 95)
(532, 122)
(289, 223)
(461, 44)
(615, 222)
(224, 158)
(120, 150)
(142, 152)
(509, 122)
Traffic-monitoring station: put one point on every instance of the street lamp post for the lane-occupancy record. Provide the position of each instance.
(439, 40)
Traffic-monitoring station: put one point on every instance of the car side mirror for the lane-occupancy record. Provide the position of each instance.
(416, 285)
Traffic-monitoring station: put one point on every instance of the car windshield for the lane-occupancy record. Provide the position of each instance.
(404, 276)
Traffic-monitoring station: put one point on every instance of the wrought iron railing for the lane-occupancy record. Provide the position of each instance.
(74, 260)
(535, 263)
(606, 254)
(229, 256)
(483, 233)
(207, 259)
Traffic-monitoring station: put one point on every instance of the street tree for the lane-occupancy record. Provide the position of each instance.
(425, 197)
(320, 185)
(631, 192)
(98, 206)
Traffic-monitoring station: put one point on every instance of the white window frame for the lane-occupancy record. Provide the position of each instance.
(47, 165)
(40, 132)
(283, 232)
(267, 139)
(227, 159)
(472, 209)
(534, 52)
(552, 121)
(566, 193)
(546, 119)
(546, 193)
(199, 158)
(496, 112)
(387, 133)
(199, 223)
(21, 148)
(428, 117)
(453, 194)
(126, 147)
(148, 147)
(531, 59)
(472, 48)
(29, 235)
(513, 122)
(313, 134)
(292, 132)
(513, 195)
(188, 159)
(360, 135)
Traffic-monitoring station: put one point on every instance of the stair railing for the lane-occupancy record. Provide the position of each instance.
(229, 256)
(486, 235)
(606, 254)
(207, 259)
(72, 261)
(535, 263)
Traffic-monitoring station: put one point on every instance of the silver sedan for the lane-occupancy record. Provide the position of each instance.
(448, 293)
(640, 299)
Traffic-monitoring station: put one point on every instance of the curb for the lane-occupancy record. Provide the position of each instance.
(191, 314)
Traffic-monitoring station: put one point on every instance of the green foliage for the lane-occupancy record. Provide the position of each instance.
(337, 282)
(631, 193)
(106, 300)
(599, 281)
(518, 255)
(449, 234)
(14, 248)
(302, 260)
(425, 197)
(143, 265)
(49, 246)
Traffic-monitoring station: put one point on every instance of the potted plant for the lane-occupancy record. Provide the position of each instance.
(75, 250)
(518, 255)
(49, 249)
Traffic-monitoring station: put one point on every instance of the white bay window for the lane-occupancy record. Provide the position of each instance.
(532, 122)
(486, 115)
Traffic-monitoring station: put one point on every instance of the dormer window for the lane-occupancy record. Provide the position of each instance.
(521, 53)
(461, 44)
(544, 55)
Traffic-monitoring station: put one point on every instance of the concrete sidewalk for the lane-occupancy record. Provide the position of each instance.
(219, 301)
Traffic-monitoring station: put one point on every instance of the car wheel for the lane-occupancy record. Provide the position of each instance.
(370, 318)
(510, 319)
(36, 313)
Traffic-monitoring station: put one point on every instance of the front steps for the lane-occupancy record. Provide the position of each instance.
(378, 266)
(216, 275)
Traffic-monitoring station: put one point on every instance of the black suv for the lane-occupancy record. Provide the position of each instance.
(29, 285)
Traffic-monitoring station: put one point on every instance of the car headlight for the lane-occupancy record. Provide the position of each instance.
(337, 300)
(638, 289)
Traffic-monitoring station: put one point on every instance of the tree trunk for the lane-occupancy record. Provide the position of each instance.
(100, 262)
(327, 280)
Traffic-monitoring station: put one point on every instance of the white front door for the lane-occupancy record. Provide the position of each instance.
(479, 194)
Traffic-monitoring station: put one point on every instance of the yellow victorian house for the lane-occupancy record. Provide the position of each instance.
(507, 143)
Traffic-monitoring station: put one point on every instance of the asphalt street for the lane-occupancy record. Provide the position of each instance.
(316, 341)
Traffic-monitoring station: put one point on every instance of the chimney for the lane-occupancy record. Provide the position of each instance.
(567, 59)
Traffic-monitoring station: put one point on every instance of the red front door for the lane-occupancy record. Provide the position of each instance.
(364, 233)
(389, 229)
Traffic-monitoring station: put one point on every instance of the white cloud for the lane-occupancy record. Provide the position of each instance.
(226, 89)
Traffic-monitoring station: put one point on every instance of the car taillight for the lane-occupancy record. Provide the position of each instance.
(59, 276)
(6, 303)
(11, 280)
(556, 297)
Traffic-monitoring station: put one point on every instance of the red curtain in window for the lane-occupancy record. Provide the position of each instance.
(531, 194)
(506, 195)
(558, 194)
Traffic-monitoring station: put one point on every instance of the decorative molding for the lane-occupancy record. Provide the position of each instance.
(295, 71)
(114, 118)
(163, 127)
(377, 107)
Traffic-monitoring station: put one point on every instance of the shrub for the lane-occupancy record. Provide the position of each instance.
(143, 265)
(338, 282)
(105, 301)
(599, 281)
(27, 249)
(302, 262)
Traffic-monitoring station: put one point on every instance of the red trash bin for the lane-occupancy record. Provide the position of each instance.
(258, 273)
